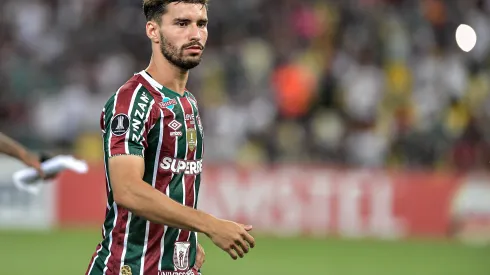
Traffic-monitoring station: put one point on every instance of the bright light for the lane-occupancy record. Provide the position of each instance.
(465, 37)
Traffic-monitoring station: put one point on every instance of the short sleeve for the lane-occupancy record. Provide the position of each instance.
(128, 120)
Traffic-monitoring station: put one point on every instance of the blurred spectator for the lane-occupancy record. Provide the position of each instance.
(358, 82)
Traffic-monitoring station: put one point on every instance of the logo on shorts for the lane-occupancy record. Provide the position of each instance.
(168, 103)
(126, 270)
(181, 255)
(120, 124)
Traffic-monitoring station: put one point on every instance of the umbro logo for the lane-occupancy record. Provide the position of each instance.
(175, 125)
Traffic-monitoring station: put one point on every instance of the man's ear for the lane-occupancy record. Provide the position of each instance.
(152, 31)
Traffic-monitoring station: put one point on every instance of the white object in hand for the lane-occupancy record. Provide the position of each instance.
(28, 179)
(466, 37)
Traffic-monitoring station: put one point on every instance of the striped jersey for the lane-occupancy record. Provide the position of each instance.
(144, 118)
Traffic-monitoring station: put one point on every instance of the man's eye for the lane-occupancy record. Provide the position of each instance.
(182, 24)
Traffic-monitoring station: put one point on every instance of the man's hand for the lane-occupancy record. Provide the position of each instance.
(232, 237)
(200, 257)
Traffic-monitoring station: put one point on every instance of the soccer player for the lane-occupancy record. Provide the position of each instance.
(153, 146)
(12, 148)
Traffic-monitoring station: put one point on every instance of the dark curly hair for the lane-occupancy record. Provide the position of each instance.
(154, 9)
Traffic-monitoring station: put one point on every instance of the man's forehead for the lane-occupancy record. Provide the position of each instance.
(187, 10)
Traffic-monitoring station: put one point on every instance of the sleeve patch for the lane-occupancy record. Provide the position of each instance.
(120, 124)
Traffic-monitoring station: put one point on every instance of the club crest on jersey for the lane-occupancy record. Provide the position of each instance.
(191, 138)
(168, 103)
(120, 124)
(181, 255)
(126, 270)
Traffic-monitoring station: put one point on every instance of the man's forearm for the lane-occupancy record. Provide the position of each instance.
(10, 147)
(149, 203)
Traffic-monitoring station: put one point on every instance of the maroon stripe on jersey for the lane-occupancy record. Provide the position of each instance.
(152, 256)
(121, 104)
(118, 233)
(188, 179)
(156, 231)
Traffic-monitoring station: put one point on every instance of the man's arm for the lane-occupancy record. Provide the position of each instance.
(131, 192)
(12, 148)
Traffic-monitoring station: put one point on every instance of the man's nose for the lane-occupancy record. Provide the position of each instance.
(195, 34)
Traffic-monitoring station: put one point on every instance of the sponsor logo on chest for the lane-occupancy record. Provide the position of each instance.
(179, 166)
(168, 103)
(190, 118)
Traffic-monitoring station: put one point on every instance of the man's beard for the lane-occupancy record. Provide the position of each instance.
(176, 57)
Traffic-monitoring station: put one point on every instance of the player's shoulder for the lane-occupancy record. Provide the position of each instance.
(132, 86)
(130, 90)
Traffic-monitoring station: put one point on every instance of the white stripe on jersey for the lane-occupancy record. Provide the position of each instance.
(126, 236)
(126, 139)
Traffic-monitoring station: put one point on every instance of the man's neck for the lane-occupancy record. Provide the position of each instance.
(168, 74)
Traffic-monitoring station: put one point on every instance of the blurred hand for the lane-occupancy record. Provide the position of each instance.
(44, 156)
(232, 238)
(200, 257)
(33, 161)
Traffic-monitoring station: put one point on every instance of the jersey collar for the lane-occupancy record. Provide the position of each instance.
(157, 85)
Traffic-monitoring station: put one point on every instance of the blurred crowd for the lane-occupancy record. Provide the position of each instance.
(365, 83)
